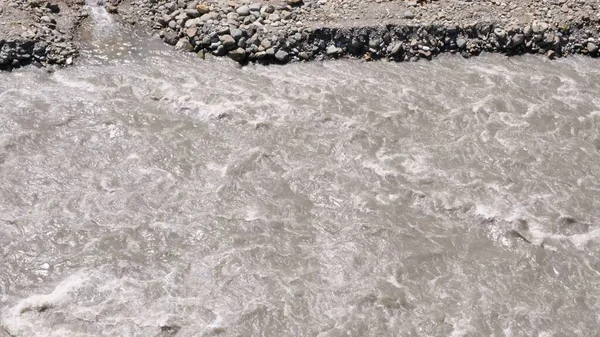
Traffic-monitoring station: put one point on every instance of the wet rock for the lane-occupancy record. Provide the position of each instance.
(500, 33)
(425, 53)
(332, 50)
(294, 3)
(517, 40)
(171, 38)
(305, 57)
(238, 55)
(282, 56)
(184, 45)
(220, 51)
(375, 42)
(395, 49)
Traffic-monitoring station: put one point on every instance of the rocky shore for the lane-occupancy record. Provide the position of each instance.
(38, 32)
(301, 30)
(395, 30)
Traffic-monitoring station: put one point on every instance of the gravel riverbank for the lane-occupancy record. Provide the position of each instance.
(295, 30)
(39, 32)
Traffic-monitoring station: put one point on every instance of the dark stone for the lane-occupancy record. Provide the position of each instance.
(171, 38)
(54, 8)
(238, 55)
(517, 40)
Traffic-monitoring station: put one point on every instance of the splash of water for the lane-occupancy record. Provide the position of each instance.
(103, 21)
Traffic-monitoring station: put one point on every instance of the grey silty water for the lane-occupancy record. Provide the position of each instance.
(153, 194)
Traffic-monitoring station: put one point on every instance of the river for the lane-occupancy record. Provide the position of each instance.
(145, 192)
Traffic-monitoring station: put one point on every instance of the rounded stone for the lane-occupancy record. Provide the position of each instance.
(243, 10)
(282, 56)
(238, 55)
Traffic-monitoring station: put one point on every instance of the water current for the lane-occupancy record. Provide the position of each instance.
(145, 192)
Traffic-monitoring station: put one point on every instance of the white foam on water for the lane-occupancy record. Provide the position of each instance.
(20, 319)
(580, 241)
(103, 21)
(176, 252)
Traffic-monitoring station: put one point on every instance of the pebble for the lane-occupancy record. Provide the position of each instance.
(202, 9)
(170, 38)
(184, 45)
(500, 33)
(53, 7)
(228, 41)
(395, 49)
(539, 27)
(517, 40)
(408, 15)
(191, 32)
(255, 7)
(238, 54)
(332, 50)
(282, 56)
(192, 13)
(243, 10)
(237, 33)
(274, 17)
